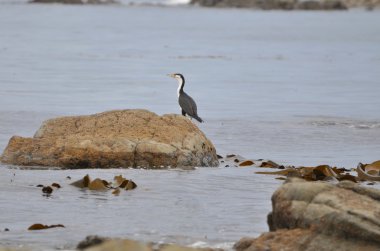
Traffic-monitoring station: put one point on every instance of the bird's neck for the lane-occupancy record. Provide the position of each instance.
(181, 84)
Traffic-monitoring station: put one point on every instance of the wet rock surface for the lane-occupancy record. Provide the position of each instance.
(123, 138)
(320, 216)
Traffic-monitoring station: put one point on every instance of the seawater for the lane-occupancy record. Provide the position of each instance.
(300, 88)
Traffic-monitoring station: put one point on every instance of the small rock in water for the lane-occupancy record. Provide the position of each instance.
(6, 229)
(280, 178)
(269, 164)
(56, 185)
(128, 185)
(91, 240)
(39, 226)
(97, 184)
(247, 163)
(47, 190)
(82, 183)
(116, 192)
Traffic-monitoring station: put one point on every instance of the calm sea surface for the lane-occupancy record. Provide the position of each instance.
(300, 88)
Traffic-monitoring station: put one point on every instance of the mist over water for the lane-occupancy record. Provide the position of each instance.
(300, 88)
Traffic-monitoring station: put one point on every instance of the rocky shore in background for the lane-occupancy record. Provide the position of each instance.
(254, 4)
(76, 1)
(289, 4)
(124, 138)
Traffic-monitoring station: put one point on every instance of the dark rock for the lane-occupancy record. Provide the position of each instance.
(47, 190)
(56, 185)
(90, 241)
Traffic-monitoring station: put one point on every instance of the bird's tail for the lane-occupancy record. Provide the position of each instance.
(198, 119)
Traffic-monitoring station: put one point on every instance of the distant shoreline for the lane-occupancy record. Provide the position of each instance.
(290, 4)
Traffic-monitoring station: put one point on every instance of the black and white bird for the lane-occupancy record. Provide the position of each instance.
(186, 103)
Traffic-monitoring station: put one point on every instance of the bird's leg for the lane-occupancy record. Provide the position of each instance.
(183, 113)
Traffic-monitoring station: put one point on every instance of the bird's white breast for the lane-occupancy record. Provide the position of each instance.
(180, 83)
(179, 88)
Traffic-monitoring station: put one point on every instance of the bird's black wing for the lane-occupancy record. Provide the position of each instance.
(188, 104)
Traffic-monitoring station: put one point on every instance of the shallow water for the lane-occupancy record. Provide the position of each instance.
(299, 88)
(211, 206)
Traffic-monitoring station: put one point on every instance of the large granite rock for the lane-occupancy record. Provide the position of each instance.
(320, 216)
(125, 138)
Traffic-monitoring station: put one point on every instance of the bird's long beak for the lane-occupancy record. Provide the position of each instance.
(171, 75)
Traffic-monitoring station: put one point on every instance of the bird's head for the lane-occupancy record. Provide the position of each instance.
(177, 76)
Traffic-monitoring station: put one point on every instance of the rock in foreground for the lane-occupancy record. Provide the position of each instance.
(125, 138)
(320, 216)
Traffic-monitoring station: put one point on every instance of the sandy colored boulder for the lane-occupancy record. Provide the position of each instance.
(122, 138)
(320, 216)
